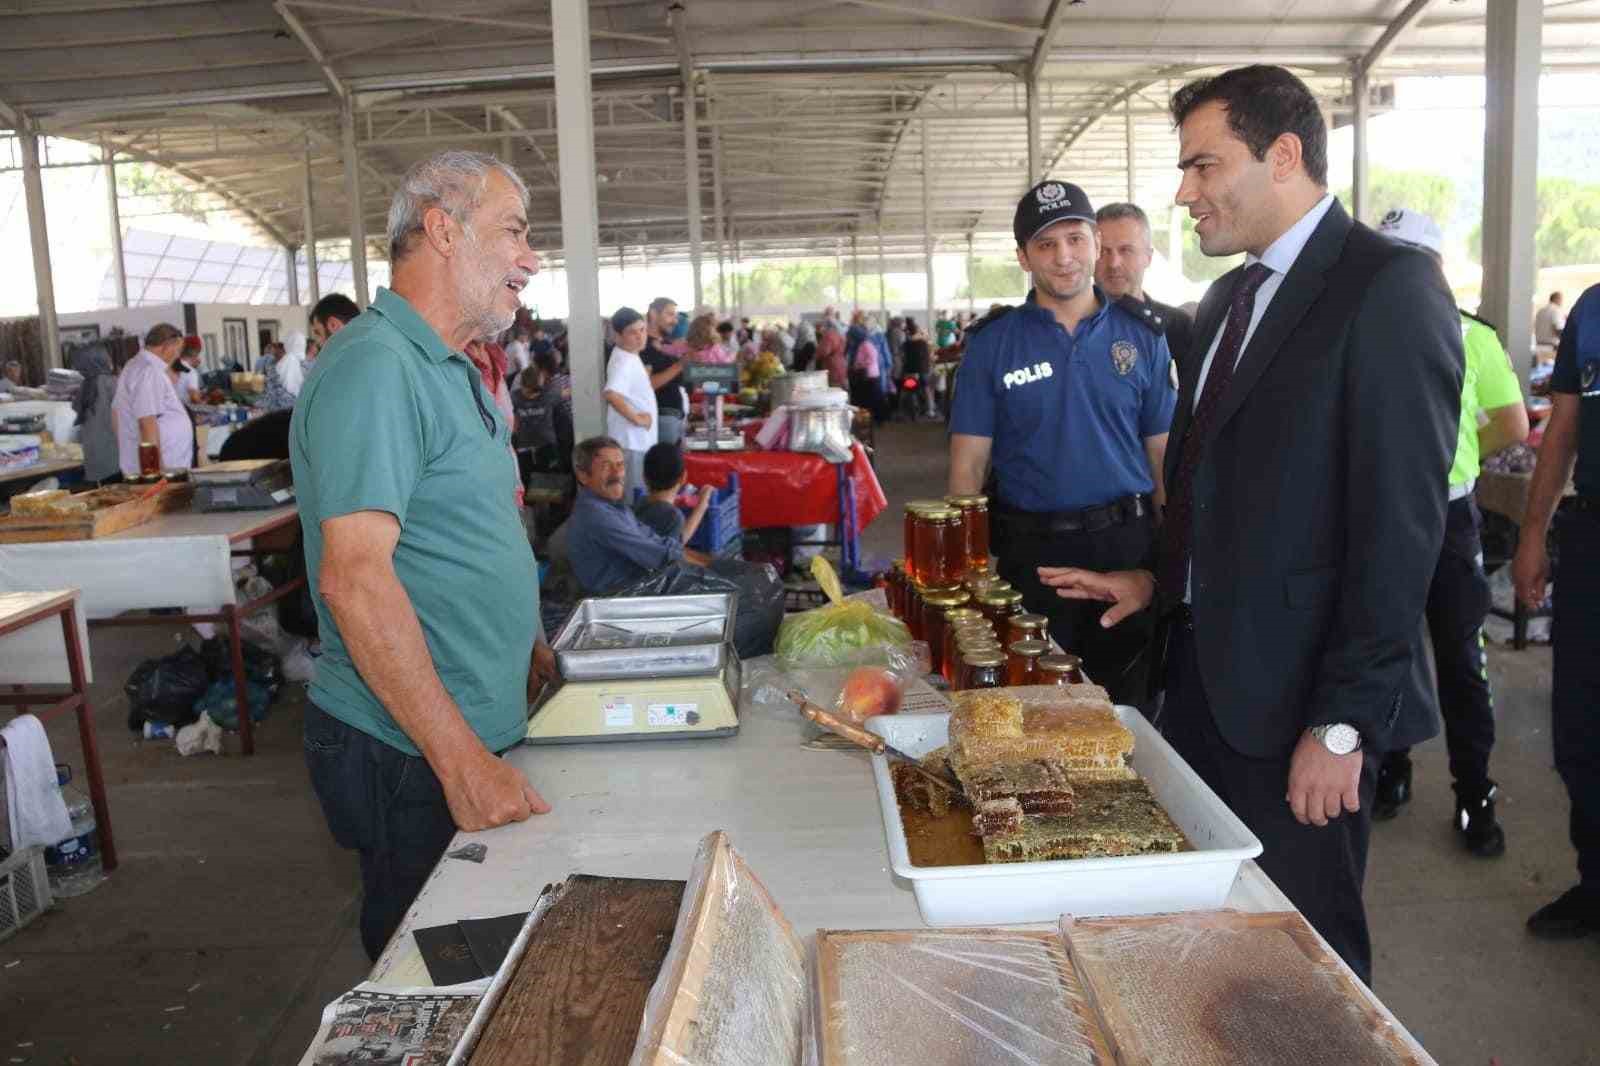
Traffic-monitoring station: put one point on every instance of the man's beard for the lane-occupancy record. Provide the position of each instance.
(478, 294)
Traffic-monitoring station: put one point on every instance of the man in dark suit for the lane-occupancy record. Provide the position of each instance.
(1306, 474)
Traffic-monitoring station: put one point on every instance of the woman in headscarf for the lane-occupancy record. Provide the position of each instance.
(292, 367)
(93, 404)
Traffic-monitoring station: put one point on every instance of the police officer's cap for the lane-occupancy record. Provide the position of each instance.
(1046, 204)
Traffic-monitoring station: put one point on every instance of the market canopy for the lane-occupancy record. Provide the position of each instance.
(816, 121)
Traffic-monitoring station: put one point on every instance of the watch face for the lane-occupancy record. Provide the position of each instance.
(1341, 739)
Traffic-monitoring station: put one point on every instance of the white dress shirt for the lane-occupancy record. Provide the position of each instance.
(145, 389)
(627, 377)
(1279, 257)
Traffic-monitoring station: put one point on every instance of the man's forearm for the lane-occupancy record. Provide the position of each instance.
(966, 476)
(623, 407)
(1557, 452)
(379, 627)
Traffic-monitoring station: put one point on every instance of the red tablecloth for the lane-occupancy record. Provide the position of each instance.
(789, 488)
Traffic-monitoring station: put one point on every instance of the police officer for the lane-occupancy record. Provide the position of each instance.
(1125, 253)
(1068, 398)
(1572, 434)
(1458, 598)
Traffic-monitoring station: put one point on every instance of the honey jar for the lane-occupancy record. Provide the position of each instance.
(1060, 670)
(1022, 659)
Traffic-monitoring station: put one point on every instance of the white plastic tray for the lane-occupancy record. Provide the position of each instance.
(1020, 892)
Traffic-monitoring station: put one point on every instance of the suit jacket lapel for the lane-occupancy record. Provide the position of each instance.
(1297, 292)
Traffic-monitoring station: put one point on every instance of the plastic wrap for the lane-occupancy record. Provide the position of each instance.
(733, 988)
(845, 633)
(1229, 989)
(952, 998)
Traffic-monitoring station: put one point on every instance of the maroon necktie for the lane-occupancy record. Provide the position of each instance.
(1177, 530)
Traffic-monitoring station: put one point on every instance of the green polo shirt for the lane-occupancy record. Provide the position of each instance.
(390, 419)
(1489, 382)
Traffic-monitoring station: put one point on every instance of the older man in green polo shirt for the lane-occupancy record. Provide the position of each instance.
(424, 582)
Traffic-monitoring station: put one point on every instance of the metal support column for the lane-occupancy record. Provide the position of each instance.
(1360, 195)
(717, 214)
(927, 224)
(39, 236)
(1510, 165)
(290, 276)
(309, 238)
(119, 265)
(883, 288)
(352, 192)
(855, 273)
(1035, 148)
(580, 211)
(691, 164)
(1175, 239)
(972, 286)
(1128, 149)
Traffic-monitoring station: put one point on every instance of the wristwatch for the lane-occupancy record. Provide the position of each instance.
(1340, 738)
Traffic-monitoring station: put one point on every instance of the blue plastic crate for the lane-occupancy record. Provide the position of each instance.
(720, 532)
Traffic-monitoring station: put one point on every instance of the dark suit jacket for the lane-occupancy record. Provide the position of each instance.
(1320, 497)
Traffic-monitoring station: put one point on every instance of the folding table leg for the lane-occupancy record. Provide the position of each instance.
(241, 688)
(86, 738)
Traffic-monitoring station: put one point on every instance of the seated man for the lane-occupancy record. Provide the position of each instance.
(663, 477)
(607, 545)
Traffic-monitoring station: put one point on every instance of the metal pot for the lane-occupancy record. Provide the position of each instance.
(784, 386)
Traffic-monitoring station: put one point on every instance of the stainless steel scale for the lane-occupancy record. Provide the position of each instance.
(644, 668)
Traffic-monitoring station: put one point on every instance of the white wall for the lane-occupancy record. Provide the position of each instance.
(135, 321)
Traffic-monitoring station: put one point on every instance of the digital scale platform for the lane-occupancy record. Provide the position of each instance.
(643, 668)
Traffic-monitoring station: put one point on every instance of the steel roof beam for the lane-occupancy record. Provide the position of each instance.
(1379, 51)
(298, 28)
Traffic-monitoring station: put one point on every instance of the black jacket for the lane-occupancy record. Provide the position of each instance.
(1320, 498)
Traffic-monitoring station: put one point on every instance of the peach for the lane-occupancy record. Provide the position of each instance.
(869, 690)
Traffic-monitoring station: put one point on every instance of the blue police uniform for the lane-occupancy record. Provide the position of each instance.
(1068, 415)
(1575, 689)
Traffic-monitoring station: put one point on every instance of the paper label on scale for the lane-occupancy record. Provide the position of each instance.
(670, 714)
(618, 714)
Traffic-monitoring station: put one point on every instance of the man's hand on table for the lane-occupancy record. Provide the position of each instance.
(1322, 785)
(487, 792)
(1128, 591)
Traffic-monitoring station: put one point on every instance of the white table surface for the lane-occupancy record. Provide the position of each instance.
(181, 559)
(806, 820)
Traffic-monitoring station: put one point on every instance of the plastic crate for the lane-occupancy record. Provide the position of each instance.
(24, 889)
(720, 532)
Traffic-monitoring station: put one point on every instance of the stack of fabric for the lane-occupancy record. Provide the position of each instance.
(63, 384)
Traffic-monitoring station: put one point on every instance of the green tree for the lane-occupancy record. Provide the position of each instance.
(994, 278)
(1432, 194)
(806, 284)
(1197, 266)
(1568, 227)
(147, 179)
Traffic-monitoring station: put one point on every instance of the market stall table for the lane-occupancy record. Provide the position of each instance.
(183, 560)
(20, 476)
(807, 821)
(25, 636)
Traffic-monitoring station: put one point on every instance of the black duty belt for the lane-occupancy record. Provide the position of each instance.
(1088, 520)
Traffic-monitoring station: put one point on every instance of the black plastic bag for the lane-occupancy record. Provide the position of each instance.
(758, 596)
(260, 665)
(165, 690)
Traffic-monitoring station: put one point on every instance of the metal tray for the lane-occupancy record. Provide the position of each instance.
(646, 636)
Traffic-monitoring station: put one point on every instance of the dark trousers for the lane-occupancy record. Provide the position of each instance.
(1319, 869)
(1458, 602)
(384, 804)
(1575, 690)
(1116, 658)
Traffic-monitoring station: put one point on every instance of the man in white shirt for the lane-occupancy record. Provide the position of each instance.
(146, 408)
(1550, 320)
(187, 369)
(518, 351)
(630, 398)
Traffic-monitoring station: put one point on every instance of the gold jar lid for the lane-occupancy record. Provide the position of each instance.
(923, 505)
(1028, 621)
(958, 615)
(982, 643)
(965, 502)
(936, 590)
(983, 657)
(939, 513)
(1060, 663)
(1030, 649)
(1000, 598)
(983, 583)
(946, 599)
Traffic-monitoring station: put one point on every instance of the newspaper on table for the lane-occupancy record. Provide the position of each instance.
(379, 1025)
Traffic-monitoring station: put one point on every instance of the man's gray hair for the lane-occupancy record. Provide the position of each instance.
(584, 452)
(662, 302)
(1113, 212)
(454, 180)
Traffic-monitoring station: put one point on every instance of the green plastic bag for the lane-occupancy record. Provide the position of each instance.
(840, 634)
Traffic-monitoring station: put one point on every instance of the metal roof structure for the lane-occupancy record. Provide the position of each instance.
(817, 120)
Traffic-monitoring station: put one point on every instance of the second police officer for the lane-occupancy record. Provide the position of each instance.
(1067, 400)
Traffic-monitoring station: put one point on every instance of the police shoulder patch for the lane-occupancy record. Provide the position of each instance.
(1124, 357)
(993, 316)
(1148, 314)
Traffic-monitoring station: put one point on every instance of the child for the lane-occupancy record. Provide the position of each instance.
(663, 477)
